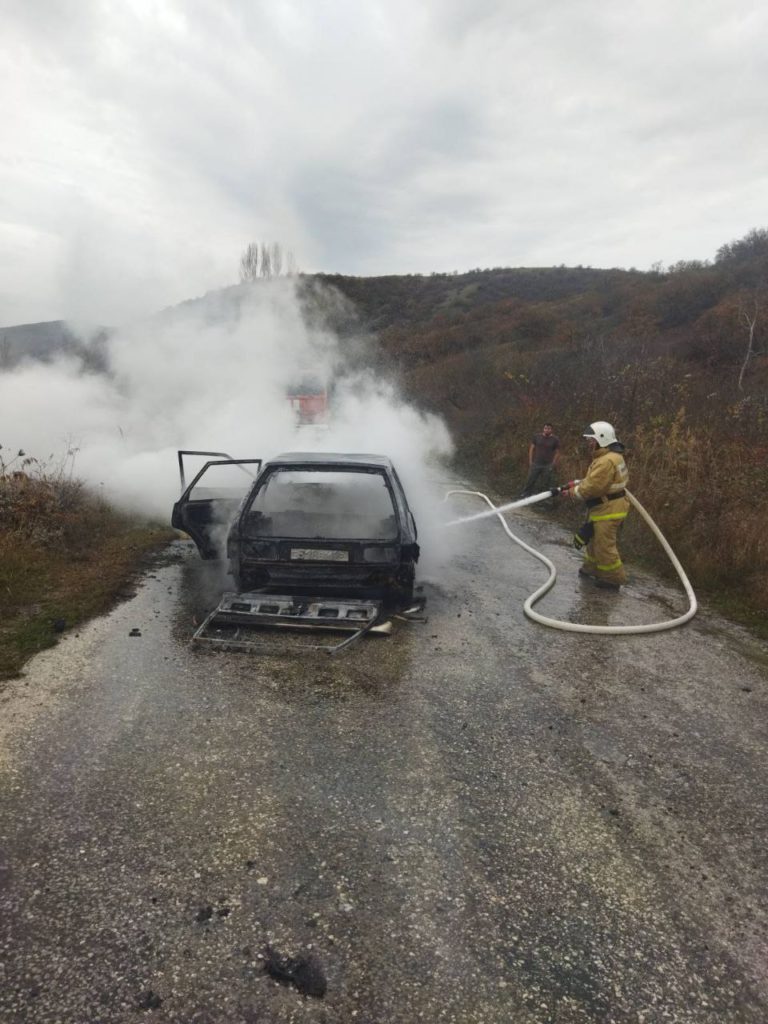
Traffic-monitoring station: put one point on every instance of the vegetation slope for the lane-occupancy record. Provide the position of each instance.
(65, 555)
(675, 358)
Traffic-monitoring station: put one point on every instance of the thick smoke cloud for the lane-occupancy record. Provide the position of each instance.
(210, 374)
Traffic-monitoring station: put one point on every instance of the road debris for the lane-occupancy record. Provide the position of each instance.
(305, 973)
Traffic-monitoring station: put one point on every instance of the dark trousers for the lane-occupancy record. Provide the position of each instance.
(541, 477)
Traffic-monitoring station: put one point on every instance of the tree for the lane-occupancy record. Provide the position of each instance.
(276, 256)
(749, 311)
(266, 260)
(754, 245)
(249, 262)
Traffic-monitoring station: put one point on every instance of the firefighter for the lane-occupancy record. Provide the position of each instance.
(603, 492)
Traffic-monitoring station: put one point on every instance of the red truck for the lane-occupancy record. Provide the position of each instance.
(309, 400)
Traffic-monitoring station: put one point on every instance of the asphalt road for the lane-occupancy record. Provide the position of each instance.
(474, 820)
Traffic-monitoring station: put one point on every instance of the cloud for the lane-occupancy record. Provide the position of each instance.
(144, 145)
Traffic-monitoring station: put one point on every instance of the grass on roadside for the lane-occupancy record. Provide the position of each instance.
(65, 555)
(706, 495)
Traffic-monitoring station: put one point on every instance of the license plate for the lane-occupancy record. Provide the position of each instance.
(318, 555)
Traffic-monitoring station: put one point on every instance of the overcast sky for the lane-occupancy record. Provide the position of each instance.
(144, 143)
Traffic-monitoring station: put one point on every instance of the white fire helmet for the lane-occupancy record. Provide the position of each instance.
(602, 432)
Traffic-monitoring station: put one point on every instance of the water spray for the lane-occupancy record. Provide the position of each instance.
(578, 627)
(533, 499)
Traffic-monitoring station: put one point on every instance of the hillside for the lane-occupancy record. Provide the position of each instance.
(43, 341)
(676, 359)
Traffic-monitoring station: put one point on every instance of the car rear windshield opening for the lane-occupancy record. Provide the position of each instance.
(322, 504)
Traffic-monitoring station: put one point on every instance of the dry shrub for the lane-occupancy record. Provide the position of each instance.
(64, 555)
(708, 497)
(707, 494)
(45, 506)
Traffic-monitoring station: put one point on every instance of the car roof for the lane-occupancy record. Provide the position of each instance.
(330, 458)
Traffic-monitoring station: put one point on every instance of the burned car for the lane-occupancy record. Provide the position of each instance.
(308, 523)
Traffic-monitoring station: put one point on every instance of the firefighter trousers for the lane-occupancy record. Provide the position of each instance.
(601, 556)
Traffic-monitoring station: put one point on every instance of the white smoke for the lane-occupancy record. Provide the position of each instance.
(211, 375)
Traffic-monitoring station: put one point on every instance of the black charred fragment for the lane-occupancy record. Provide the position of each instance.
(149, 1000)
(305, 973)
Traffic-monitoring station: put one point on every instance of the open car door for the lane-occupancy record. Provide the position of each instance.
(207, 507)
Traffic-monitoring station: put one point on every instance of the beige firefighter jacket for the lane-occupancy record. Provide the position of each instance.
(606, 475)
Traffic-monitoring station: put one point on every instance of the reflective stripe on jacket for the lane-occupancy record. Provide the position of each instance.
(606, 475)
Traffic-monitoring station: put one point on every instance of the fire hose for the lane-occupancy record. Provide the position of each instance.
(578, 627)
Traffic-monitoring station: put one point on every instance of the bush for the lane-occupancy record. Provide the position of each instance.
(45, 505)
(65, 554)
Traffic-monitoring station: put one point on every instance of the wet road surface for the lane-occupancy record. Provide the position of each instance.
(475, 820)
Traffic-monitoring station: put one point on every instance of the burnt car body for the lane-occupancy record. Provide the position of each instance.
(309, 523)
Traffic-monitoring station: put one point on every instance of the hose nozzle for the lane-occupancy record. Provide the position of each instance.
(564, 487)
